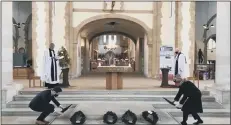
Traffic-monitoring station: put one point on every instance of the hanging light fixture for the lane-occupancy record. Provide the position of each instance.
(205, 26)
(212, 26)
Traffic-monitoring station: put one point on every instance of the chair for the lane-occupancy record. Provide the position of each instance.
(31, 76)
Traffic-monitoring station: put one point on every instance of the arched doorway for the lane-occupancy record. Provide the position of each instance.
(120, 46)
(93, 27)
(211, 48)
(210, 45)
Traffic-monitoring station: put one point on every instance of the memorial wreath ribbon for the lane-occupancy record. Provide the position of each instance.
(154, 117)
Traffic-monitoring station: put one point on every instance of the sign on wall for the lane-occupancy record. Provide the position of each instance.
(166, 57)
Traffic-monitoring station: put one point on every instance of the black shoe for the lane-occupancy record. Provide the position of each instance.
(198, 122)
(183, 123)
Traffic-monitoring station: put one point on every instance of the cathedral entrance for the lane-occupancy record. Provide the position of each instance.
(111, 40)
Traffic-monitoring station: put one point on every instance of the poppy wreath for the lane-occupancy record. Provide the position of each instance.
(112, 115)
(127, 116)
(146, 115)
(78, 118)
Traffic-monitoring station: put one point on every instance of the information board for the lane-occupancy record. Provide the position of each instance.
(166, 57)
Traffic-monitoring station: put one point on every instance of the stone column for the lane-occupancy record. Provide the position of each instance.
(222, 84)
(86, 54)
(60, 21)
(7, 44)
(9, 89)
(156, 39)
(185, 32)
(40, 33)
(137, 57)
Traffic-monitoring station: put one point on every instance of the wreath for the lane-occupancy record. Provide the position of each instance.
(129, 118)
(65, 61)
(154, 117)
(108, 115)
(78, 118)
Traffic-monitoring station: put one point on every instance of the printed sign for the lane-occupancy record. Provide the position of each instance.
(166, 57)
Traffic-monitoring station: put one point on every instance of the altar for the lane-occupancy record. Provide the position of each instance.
(114, 75)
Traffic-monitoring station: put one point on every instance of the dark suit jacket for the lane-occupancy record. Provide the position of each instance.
(42, 100)
(191, 97)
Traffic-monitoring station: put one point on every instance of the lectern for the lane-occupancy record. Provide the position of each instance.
(165, 72)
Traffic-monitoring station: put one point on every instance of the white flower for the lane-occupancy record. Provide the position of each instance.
(150, 112)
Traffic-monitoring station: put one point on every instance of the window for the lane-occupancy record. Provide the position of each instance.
(211, 44)
(104, 38)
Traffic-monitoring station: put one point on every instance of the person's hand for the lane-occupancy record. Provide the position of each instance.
(57, 112)
(61, 107)
(179, 106)
(175, 103)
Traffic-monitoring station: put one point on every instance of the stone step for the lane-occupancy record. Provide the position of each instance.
(110, 98)
(66, 121)
(30, 120)
(157, 104)
(112, 92)
(173, 112)
(206, 112)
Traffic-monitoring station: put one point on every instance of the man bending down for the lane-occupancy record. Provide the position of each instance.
(41, 103)
(191, 101)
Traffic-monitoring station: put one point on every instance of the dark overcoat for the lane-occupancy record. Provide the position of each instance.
(191, 100)
(42, 100)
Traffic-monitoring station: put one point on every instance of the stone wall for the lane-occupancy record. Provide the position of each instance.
(161, 21)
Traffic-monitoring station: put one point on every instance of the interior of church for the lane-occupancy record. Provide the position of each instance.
(120, 46)
(114, 56)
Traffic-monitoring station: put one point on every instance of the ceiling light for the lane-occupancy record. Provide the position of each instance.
(205, 26)
(212, 26)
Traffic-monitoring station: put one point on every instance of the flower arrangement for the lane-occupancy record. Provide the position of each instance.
(65, 61)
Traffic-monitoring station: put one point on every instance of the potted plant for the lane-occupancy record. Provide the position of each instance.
(64, 63)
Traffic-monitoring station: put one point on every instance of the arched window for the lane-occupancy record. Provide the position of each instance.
(211, 44)
(104, 38)
(112, 41)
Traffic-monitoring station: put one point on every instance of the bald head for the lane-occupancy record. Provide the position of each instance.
(177, 50)
(52, 46)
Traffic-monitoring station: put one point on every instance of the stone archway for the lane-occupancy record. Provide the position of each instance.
(79, 28)
(108, 16)
(205, 36)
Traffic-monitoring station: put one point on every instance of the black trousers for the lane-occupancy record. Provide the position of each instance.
(50, 86)
(65, 77)
(46, 110)
(186, 114)
(200, 60)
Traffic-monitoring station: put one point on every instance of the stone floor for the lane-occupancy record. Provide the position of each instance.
(98, 82)
(93, 109)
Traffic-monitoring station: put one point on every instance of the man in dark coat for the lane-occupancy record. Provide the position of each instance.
(200, 56)
(191, 101)
(41, 103)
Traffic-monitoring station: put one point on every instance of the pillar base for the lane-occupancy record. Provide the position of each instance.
(8, 92)
(221, 94)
